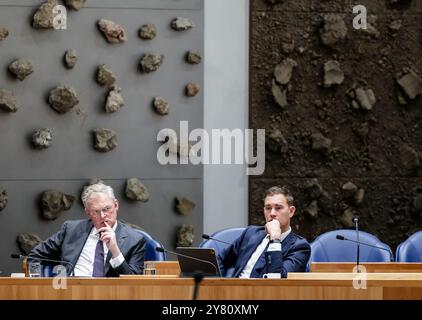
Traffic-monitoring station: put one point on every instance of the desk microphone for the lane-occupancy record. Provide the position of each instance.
(355, 220)
(21, 257)
(207, 237)
(340, 237)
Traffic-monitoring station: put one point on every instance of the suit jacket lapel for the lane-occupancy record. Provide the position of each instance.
(253, 243)
(82, 236)
(287, 242)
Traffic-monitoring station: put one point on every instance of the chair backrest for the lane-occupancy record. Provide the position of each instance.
(228, 235)
(410, 250)
(326, 248)
(150, 253)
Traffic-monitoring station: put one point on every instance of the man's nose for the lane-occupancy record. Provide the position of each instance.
(103, 214)
(273, 212)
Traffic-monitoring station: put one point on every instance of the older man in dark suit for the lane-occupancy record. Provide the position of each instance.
(99, 246)
(271, 249)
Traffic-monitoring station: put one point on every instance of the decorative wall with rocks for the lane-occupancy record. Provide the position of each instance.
(342, 110)
(79, 81)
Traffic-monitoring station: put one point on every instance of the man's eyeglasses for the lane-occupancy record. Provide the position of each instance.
(105, 210)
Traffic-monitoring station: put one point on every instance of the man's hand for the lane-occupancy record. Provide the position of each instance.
(108, 236)
(273, 229)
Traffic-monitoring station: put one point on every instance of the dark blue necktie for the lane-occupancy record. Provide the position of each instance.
(99, 268)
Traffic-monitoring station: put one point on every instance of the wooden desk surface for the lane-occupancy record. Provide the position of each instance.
(172, 288)
(378, 267)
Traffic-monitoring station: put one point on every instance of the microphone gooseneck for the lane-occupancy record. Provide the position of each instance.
(207, 237)
(21, 257)
(340, 237)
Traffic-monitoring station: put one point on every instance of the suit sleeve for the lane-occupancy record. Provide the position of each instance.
(294, 261)
(50, 248)
(134, 260)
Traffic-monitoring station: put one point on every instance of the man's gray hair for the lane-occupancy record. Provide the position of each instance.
(97, 188)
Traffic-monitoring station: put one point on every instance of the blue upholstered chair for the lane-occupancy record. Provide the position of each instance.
(326, 248)
(411, 249)
(228, 235)
(150, 253)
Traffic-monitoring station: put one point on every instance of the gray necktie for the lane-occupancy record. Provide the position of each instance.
(99, 268)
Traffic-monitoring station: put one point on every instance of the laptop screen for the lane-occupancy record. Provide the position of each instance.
(198, 261)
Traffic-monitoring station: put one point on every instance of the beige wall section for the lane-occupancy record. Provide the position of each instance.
(226, 106)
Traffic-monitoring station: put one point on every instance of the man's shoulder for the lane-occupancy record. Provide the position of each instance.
(299, 240)
(75, 223)
(132, 232)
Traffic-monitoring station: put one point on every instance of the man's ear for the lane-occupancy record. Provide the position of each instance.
(292, 211)
(116, 203)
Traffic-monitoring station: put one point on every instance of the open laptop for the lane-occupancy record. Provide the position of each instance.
(202, 261)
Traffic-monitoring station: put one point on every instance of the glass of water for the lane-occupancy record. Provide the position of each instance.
(34, 269)
(149, 268)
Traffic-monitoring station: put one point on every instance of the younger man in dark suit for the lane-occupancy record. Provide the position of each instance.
(273, 248)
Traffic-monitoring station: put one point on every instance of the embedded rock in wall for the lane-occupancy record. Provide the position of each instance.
(321, 143)
(411, 83)
(313, 189)
(105, 76)
(362, 98)
(148, 31)
(276, 142)
(371, 27)
(161, 106)
(63, 98)
(21, 68)
(43, 17)
(181, 24)
(349, 189)
(346, 219)
(359, 196)
(333, 75)
(333, 30)
(4, 33)
(8, 101)
(113, 32)
(409, 158)
(3, 198)
(135, 190)
(70, 58)
(114, 100)
(105, 139)
(27, 242)
(280, 95)
(150, 62)
(184, 206)
(42, 138)
(193, 57)
(192, 89)
(185, 236)
(54, 202)
(417, 205)
(312, 210)
(283, 71)
(75, 4)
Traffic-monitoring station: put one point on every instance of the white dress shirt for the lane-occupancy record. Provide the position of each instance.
(85, 264)
(246, 272)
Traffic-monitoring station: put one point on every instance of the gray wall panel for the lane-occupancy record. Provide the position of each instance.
(71, 161)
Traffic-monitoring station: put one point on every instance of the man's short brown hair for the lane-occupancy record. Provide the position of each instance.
(280, 190)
